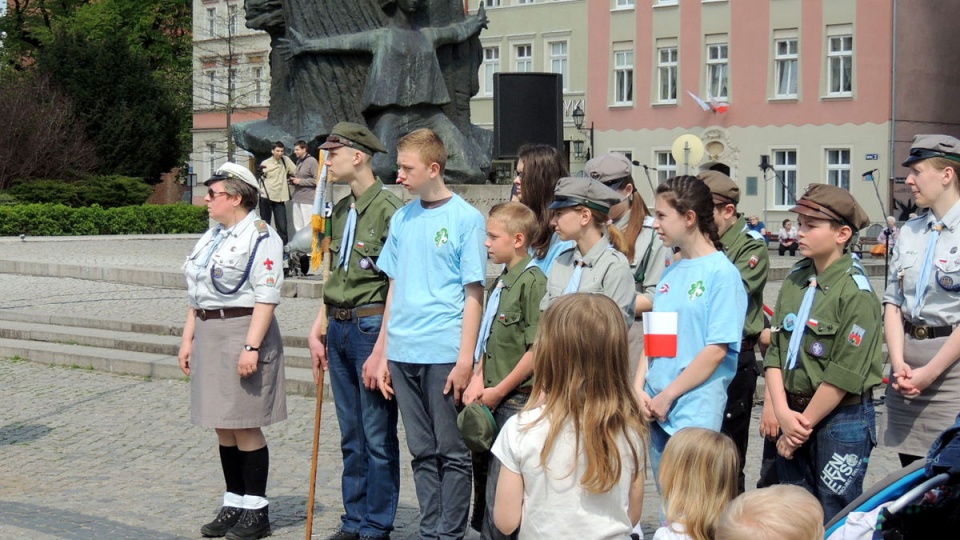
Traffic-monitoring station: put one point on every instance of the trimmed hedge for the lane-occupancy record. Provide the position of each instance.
(60, 220)
(108, 191)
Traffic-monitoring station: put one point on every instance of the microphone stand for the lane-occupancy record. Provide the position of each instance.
(646, 172)
(889, 231)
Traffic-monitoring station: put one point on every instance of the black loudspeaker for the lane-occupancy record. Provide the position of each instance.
(765, 162)
(527, 109)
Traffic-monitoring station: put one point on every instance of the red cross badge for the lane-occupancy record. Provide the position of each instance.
(269, 264)
(754, 260)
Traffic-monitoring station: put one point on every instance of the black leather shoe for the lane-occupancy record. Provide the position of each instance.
(228, 517)
(344, 535)
(253, 524)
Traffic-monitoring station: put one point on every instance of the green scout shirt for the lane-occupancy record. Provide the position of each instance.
(515, 325)
(750, 255)
(362, 282)
(842, 336)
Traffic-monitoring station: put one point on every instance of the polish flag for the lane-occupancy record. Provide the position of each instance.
(660, 334)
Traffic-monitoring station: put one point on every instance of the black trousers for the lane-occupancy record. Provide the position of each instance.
(736, 417)
(278, 210)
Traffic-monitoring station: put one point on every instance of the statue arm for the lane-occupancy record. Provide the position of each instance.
(296, 44)
(460, 32)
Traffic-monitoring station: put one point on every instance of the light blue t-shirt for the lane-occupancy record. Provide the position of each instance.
(431, 254)
(557, 246)
(711, 304)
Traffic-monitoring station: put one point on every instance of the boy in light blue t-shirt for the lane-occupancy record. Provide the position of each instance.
(436, 261)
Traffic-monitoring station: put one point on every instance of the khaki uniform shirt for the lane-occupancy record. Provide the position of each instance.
(748, 251)
(606, 272)
(362, 282)
(842, 337)
(515, 325)
(275, 178)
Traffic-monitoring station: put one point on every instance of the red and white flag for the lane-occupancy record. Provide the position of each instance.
(660, 333)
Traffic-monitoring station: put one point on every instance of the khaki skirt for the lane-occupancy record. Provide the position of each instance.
(219, 397)
(635, 342)
(914, 423)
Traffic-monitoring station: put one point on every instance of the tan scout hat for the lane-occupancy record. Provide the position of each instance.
(823, 201)
(722, 187)
(354, 136)
(232, 170)
(584, 191)
(928, 146)
(612, 169)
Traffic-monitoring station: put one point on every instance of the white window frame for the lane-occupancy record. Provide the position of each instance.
(784, 61)
(667, 68)
(491, 3)
(523, 2)
(491, 65)
(560, 62)
(523, 64)
(625, 4)
(233, 19)
(258, 85)
(665, 164)
(838, 170)
(623, 63)
(718, 70)
(658, 3)
(212, 157)
(211, 78)
(842, 57)
(787, 172)
(212, 21)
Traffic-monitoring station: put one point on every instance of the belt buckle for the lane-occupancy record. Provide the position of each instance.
(202, 314)
(921, 332)
(342, 314)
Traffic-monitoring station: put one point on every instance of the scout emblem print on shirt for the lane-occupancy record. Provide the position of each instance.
(696, 289)
(856, 335)
(441, 238)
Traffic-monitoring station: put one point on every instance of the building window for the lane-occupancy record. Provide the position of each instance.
(524, 58)
(212, 157)
(258, 85)
(526, 2)
(840, 62)
(625, 4)
(786, 57)
(558, 61)
(232, 17)
(667, 74)
(623, 77)
(212, 21)
(491, 3)
(212, 87)
(717, 70)
(491, 65)
(664, 3)
(838, 168)
(785, 167)
(666, 166)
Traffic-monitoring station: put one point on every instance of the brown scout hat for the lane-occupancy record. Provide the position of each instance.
(584, 191)
(355, 136)
(823, 201)
(612, 169)
(928, 146)
(722, 187)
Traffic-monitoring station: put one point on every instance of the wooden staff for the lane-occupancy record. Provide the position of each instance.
(316, 453)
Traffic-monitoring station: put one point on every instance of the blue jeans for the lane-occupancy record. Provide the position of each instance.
(441, 462)
(658, 441)
(832, 463)
(510, 406)
(368, 431)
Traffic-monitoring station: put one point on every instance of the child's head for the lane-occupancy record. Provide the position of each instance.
(509, 229)
(698, 477)
(421, 158)
(775, 513)
(580, 204)
(580, 365)
(615, 170)
(829, 216)
(684, 207)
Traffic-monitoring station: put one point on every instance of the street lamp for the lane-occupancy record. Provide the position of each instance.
(578, 121)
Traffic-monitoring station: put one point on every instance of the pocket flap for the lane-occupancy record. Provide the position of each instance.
(507, 318)
(821, 327)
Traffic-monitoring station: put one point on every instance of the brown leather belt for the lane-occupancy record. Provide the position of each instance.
(223, 313)
(348, 314)
(799, 403)
(926, 332)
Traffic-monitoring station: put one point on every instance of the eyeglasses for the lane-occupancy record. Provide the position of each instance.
(213, 194)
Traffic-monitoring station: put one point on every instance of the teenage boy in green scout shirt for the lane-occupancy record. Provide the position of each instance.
(503, 377)
(346, 330)
(824, 358)
(747, 250)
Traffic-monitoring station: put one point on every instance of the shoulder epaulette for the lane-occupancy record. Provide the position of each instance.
(859, 275)
(261, 226)
(803, 264)
(754, 234)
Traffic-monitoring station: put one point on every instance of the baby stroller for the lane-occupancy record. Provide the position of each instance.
(921, 500)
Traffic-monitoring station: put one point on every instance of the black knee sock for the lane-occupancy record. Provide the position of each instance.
(256, 464)
(232, 465)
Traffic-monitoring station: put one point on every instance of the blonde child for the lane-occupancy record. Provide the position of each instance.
(774, 513)
(573, 460)
(698, 477)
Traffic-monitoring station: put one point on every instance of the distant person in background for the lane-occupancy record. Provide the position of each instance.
(304, 181)
(888, 236)
(275, 192)
(787, 238)
(754, 224)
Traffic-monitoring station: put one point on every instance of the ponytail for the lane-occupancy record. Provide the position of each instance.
(638, 213)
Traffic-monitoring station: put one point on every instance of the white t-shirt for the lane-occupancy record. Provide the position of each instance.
(555, 505)
(665, 533)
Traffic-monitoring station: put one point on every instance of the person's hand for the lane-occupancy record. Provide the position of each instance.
(644, 398)
(492, 397)
(785, 448)
(248, 363)
(474, 389)
(368, 373)
(900, 377)
(796, 428)
(384, 382)
(457, 381)
(292, 46)
(184, 356)
(659, 407)
(918, 381)
(769, 426)
(318, 353)
(478, 21)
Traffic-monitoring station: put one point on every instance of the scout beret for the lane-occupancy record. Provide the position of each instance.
(823, 201)
(477, 426)
(928, 146)
(611, 169)
(584, 191)
(232, 170)
(722, 187)
(355, 136)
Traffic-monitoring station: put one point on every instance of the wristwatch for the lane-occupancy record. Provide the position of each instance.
(251, 348)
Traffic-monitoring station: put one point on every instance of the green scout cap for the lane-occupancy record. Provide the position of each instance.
(584, 191)
(232, 170)
(611, 170)
(722, 187)
(355, 136)
(823, 201)
(477, 427)
(928, 146)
